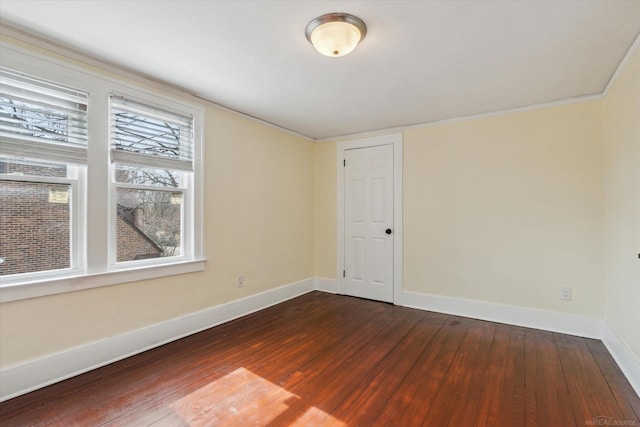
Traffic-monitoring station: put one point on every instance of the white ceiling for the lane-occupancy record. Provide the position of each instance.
(421, 61)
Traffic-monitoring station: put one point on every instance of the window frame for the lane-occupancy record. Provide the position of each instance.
(187, 232)
(75, 179)
(185, 235)
(95, 267)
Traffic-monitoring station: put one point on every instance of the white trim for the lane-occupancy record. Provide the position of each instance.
(325, 284)
(39, 288)
(629, 365)
(560, 102)
(396, 141)
(634, 46)
(39, 179)
(97, 218)
(554, 321)
(76, 226)
(488, 114)
(38, 373)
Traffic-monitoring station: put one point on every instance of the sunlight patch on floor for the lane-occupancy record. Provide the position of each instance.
(243, 398)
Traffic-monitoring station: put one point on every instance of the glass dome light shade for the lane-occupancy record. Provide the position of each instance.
(335, 34)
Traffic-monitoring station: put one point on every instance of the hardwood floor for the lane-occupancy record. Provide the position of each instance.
(330, 360)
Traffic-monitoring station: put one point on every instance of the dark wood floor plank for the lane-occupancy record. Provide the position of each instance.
(331, 360)
(545, 382)
(270, 357)
(588, 390)
(618, 384)
(323, 358)
(364, 404)
(454, 398)
(315, 371)
(329, 391)
(322, 361)
(414, 397)
(321, 366)
(180, 367)
(500, 398)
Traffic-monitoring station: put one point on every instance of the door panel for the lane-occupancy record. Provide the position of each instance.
(368, 183)
(358, 258)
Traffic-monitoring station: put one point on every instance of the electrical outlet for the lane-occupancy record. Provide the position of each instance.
(565, 294)
(240, 280)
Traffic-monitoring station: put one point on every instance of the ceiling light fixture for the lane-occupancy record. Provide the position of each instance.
(336, 34)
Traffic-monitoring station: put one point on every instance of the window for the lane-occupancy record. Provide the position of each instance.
(40, 121)
(150, 201)
(35, 223)
(100, 181)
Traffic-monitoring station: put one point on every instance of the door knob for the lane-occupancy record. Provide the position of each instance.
(388, 231)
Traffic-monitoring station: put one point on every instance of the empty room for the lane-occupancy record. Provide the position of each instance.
(319, 213)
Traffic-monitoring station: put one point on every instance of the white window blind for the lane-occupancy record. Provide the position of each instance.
(147, 136)
(40, 119)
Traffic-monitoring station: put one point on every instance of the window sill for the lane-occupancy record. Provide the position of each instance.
(39, 288)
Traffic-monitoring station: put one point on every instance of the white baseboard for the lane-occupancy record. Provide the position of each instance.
(625, 359)
(25, 377)
(554, 321)
(326, 285)
(572, 324)
(565, 323)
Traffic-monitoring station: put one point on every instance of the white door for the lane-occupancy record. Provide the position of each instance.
(368, 222)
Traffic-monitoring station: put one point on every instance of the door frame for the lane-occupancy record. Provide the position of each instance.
(396, 141)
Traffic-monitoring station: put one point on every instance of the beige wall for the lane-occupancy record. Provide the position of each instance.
(259, 206)
(507, 209)
(259, 221)
(622, 205)
(325, 185)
